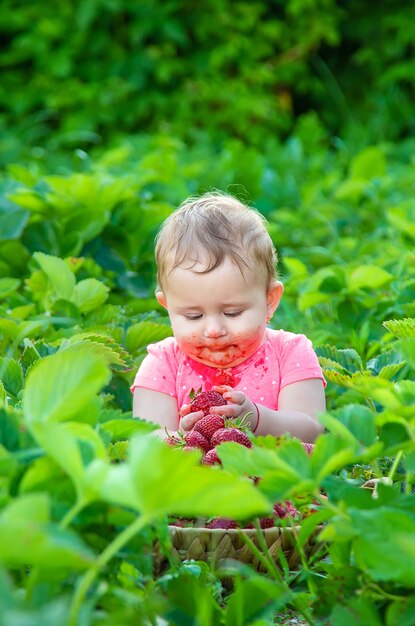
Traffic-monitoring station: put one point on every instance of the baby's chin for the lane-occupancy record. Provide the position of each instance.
(228, 357)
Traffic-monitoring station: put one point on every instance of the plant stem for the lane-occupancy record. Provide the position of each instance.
(395, 464)
(90, 575)
(73, 512)
(261, 557)
(263, 545)
(34, 573)
(271, 566)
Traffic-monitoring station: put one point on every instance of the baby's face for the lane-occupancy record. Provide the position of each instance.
(218, 318)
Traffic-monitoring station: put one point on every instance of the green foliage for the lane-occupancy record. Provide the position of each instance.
(231, 69)
(229, 92)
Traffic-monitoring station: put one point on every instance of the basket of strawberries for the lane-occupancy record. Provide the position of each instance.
(215, 539)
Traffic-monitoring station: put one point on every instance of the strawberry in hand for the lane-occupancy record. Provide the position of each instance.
(199, 408)
(204, 400)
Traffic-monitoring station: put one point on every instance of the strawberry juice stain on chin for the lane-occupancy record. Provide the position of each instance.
(220, 366)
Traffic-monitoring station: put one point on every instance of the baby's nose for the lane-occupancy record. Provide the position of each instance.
(214, 329)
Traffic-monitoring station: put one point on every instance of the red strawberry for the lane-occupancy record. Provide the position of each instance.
(209, 424)
(196, 439)
(222, 522)
(205, 399)
(189, 447)
(211, 458)
(267, 522)
(230, 434)
(284, 510)
(308, 447)
(183, 522)
(171, 440)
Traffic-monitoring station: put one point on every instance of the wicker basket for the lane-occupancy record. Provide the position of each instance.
(213, 545)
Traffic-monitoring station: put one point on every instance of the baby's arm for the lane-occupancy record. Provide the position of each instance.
(156, 407)
(161, 409)
(298, 407)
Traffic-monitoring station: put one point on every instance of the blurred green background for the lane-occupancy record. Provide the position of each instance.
(83, 75)
(112, 113)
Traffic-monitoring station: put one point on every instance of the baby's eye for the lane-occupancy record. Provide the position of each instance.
(193, 317)
(233, 313)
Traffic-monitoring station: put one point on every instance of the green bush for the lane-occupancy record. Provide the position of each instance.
(87, 73)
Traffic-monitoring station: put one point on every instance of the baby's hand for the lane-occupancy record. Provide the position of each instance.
(238, 405)
(187, 418)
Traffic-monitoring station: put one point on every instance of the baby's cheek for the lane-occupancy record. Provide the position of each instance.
(187, 342)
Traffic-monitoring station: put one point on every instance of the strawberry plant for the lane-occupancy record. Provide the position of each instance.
(86, 491)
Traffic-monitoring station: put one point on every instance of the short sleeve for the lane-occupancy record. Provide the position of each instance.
(298, 360)
(158, 370)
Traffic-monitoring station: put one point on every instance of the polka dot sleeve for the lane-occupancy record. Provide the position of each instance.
(158, 371)
(298, 361)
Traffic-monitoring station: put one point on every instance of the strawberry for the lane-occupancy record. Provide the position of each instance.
(266, 522)
(284, 510)
(230, 434)
(211, 458)
(182, 522)
(222, 522)
(172, 441)
(203, 400)
(308, 447)
(208, 425)
(189, 447)
(196, 439)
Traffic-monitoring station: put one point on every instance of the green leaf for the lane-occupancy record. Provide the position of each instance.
(290, 458)
(312, 298)
(401, 328)
(124, 428)
(27, 538)
(59, 385)
(104, 346)
(60, 276)
(284, 471)
(12, 223)
(89, 294)
(402, 218)
(368, 164)
(351, 190)
(346, 360)
(141, 334)
(28, 199)
(368, 276)
(22, 174)
(8, 286)
(359, 612)
(63, 448)
(159, 480)
(387, 364)
(409, 462)
(12, 375)
(392, 529)
(336, 450)
(407, 346)
(10, 428)
(360, 421)
(254, 599)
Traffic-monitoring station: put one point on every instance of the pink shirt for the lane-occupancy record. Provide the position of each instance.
(283, 358)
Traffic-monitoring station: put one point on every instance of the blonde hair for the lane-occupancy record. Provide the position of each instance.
(211, 228)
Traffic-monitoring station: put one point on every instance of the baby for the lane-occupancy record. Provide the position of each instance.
(216, 278)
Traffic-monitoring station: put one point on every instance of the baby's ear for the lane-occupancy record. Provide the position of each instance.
(161, 299)
(274, 295)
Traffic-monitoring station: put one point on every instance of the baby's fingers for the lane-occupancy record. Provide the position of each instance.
(228, 410)
(188, 421)
(234, 397)
(185, 410)
(222, 388)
